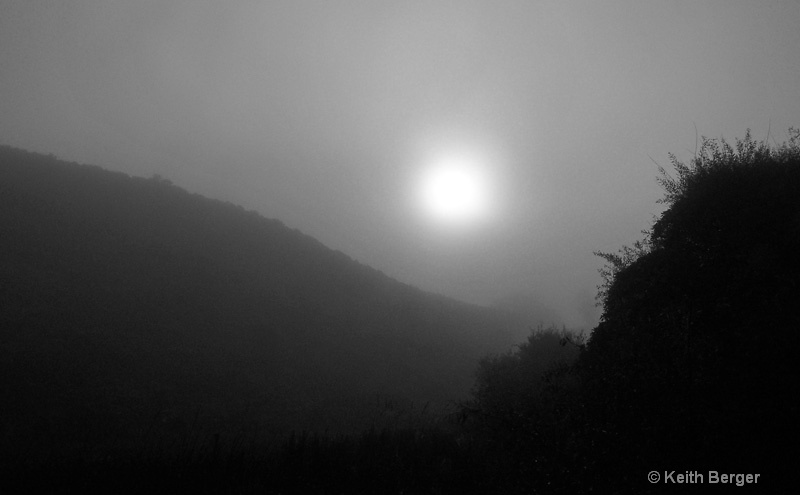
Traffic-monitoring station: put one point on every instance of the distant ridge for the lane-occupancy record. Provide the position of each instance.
(125, 299)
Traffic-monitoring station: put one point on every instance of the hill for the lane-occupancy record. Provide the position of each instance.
(129, 305)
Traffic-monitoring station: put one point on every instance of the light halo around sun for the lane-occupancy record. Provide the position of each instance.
(454, 189)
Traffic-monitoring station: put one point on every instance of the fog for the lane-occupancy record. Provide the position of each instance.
(326, 115)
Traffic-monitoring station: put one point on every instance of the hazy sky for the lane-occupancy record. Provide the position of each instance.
(327, 114)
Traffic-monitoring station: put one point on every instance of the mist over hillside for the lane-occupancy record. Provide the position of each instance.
(125, 298)
(158, 341)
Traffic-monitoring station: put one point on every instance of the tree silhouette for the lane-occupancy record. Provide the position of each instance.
(699, 331)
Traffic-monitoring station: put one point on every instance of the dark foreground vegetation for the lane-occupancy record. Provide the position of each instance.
(471, 448)
(691, 369)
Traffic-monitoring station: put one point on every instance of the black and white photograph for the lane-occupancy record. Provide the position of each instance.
(399, 246)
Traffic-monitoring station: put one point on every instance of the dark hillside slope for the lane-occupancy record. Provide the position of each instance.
(127, 299)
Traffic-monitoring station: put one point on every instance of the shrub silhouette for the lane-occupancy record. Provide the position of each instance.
(688, 367)
(508, 385)
(519, 411)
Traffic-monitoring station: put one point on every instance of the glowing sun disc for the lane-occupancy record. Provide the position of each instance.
(454, 191)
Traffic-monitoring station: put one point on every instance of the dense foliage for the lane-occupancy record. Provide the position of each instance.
(688, 368)
(508, 385)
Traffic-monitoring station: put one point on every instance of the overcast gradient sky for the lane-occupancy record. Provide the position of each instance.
(323, 114)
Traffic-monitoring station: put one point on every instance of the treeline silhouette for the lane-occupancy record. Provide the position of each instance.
(690, 368)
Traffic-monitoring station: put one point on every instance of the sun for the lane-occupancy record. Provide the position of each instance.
(454, 190)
